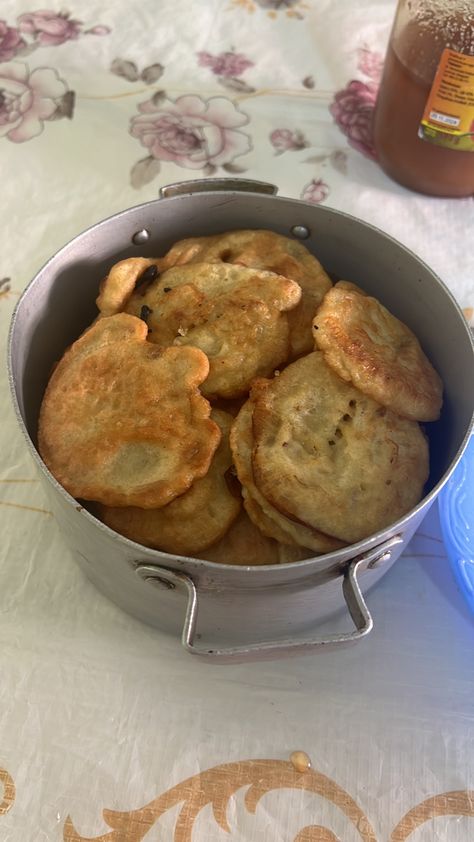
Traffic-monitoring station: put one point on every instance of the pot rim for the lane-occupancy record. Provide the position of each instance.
(202, 564)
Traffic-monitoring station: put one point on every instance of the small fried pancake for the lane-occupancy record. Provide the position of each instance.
(264, 522)
(121, 281)
(237, 316)
(332, 458)
(195, 519)
(266, 517)
(122, 421)
(260, 249)
(369, 347)
(244, 544)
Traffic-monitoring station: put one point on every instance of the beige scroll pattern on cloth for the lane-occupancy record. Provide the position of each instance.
(108, 730)
(216, 786)
(8, 786)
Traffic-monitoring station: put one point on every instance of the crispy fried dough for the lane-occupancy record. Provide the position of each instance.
(266, 517)
(121, 281)
(260, 249)
(122, 421)
(332, 457)
(326, 453)
(237, 316)
(368, 346)
(195, 519)
(244, 544)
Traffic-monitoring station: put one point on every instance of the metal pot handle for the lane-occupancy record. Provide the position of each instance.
(350, 588)
(207, 185)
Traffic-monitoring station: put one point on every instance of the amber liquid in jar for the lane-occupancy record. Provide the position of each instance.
(410, 65)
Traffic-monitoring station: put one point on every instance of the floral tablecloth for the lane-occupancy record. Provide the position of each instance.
(108, 730)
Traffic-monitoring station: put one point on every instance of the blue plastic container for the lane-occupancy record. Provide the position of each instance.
(456, 511)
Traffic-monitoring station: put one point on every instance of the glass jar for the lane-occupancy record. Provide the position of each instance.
(424, 116)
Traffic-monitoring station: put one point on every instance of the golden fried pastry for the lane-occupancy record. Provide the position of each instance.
(195, 519)
(237, 316)
(121, 281)
(260, 249)
(329, 456)
(266, 517)
(267, 526)
(323, 455)
(244, 545)
(122, 421)
(369, 347)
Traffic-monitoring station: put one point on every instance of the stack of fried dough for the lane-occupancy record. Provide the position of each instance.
(230, 403)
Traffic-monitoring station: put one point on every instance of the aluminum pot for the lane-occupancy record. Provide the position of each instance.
(226, 612)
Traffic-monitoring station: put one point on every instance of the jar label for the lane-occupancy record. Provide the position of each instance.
(448, 118)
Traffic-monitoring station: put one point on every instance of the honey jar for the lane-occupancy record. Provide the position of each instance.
(424, 116)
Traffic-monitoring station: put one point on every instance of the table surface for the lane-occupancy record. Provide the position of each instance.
(108, 729)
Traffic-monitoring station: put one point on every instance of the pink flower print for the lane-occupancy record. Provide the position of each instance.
(192, 132)
(48, 28)
(98, 30)
(352, 110)
(225, 64)
(284, 139)
(10, 41)
(316, 191)
(370, 63)
(27, 99)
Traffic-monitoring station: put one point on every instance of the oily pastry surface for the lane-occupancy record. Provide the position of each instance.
(195, 519)
(269, 520)
(122, 421)
(261, 249)
(368, 346)
(331, 457)
(120, 282)
(228, 403)
(244, 544)
(236, 315)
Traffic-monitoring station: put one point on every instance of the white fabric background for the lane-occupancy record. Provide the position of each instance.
(96, 710)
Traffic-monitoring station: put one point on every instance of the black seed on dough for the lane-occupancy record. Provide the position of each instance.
(147, 276)
(145, 312)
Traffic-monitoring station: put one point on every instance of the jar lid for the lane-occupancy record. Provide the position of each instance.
(456, 511)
